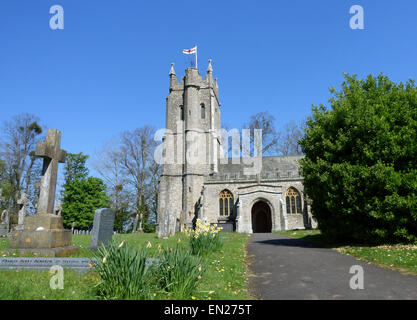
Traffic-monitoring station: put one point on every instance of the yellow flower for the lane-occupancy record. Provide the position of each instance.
(105, 259)
(149, 245)
(199, 277)
(122, 243)
(193, 297)
(159, 248)
(199, 268)
(179, 240)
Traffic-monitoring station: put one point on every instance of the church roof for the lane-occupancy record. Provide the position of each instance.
(270, 165)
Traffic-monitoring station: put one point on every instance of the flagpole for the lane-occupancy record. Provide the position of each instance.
(196, 49)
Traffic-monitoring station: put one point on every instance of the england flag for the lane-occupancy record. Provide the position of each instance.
(190, 51)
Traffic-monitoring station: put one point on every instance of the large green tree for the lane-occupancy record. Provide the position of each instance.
(360, 165)
(81, 195)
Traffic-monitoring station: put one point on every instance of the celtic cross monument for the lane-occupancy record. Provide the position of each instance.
(43, 233)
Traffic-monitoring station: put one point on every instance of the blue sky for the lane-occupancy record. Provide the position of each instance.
(107, 71)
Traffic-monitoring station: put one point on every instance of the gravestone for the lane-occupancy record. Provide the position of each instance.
(58, 209)
(102, 227)
(22, 202)
(4, 225)
(44, 233)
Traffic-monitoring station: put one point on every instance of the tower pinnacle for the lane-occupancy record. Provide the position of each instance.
(210, 68)
(172, 71)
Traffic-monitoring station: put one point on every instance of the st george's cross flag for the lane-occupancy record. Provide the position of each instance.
(190, 51)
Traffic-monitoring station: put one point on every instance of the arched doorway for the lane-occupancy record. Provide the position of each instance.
(261, 218)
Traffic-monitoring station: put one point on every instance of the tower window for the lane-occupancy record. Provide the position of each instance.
(203, 111)
(182, 112)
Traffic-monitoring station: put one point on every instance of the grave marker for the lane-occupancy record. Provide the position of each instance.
(102, 227)
(43, 232)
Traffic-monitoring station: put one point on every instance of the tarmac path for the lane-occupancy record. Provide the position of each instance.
(285, 268)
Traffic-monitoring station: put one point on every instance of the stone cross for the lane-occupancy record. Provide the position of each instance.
(22, 202)
(52, 155)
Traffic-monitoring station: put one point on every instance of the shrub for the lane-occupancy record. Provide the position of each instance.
(204, 238)
(149, 227)
(179, 272)
(360, 165)
(124, 273)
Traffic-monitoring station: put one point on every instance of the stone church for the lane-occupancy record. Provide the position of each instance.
(199, 181)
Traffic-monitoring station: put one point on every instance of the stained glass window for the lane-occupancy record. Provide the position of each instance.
(293, 201)
(225, 203)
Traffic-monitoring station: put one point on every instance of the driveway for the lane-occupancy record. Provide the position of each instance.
(285, 268)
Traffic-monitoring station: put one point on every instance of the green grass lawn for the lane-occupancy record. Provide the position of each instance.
(398, 257)
(225, 278)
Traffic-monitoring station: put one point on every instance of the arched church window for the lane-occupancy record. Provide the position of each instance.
(203, 111)
(293, 201)
(182, 112)
(225, 203)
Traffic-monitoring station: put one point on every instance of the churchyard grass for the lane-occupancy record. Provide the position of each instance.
(34, 285)
(224, 277)
(400, 257)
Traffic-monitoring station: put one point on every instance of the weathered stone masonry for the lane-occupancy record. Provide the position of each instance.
(193, 176)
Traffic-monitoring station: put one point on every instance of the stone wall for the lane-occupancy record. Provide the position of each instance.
(249, 192)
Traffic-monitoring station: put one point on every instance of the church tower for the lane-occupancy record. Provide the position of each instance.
(191, 147)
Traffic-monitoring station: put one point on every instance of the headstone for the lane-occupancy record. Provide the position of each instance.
(22, 202)
(72, 227)
(43, 232)
(4, 225)
(37, 187)
(102, 227)
(58, 208)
